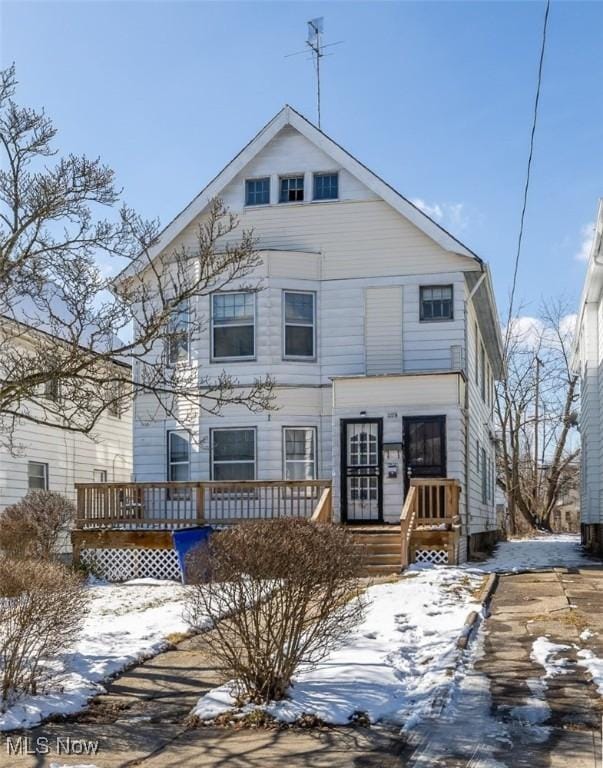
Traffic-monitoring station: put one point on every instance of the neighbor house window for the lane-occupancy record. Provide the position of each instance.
(37, 476)
(233, 454)
(233, 325)
(299, 448)
(99, 475)
(116, 406)
(436, 302)
(292, 189)
(178, 334)
(299, 321)
(52, 389)
(179, 455)
(257, 191)
(326, 186)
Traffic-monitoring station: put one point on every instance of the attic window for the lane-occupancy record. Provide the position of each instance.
(257, 191)
(436, 303)
(326, 186)
(292, 189)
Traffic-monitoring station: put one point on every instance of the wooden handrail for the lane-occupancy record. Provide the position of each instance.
(165, 504)
(322, 511)
(407, 522)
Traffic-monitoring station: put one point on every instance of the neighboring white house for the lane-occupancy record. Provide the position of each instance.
(588, 363)
(379, 327)
(50, 458)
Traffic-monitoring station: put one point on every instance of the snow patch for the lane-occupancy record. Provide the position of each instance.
(543, 653)
(126, 623)
(394, 664)
(541, 552)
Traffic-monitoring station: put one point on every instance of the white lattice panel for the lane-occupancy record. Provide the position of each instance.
(433, 556)
(124, 564)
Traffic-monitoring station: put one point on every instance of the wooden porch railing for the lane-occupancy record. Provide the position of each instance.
(431, 503)
(180, 504)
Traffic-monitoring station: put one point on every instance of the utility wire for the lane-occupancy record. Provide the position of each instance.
(528, 176)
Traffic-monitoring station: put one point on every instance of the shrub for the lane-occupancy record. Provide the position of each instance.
(32, 527)
(41, 609)
(280, 594)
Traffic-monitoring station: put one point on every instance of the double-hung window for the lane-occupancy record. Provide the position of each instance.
(233, 325)
(299, 309)
(179, 455)
(257, 191)
(299, 453)
(99, 475)
(233, 454)
(484, 470)
(37, 476)
(436, 303)
(178, 334)
(326, 186)
(292, 189)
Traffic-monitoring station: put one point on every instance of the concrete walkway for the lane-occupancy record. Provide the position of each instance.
(502, 710)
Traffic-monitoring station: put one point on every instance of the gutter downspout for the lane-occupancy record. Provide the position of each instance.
(467, 415)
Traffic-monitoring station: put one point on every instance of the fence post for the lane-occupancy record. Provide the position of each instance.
(200, 503)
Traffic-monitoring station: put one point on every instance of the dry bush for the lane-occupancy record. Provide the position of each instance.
(41, 609)
(33, 526)
(281, 594)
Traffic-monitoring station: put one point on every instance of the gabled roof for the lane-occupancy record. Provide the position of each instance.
(290, 117)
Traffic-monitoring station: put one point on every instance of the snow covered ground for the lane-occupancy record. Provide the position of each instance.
(398, 662)
(393, 665)
(546, 551)
(126, 622)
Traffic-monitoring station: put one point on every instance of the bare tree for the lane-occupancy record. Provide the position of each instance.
(535, 407)
(64, 322)
(280, 595)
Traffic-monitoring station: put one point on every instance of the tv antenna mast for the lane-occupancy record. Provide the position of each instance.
(315, 44)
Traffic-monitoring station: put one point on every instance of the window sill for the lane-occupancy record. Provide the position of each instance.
(220, 360)
(300, 359)
(437, 320)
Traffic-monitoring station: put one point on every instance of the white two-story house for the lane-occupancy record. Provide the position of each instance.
(588, 364)
(379, 327)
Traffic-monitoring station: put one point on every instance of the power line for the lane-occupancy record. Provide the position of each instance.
(528, 175)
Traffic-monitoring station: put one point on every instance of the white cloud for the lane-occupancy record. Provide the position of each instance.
(450, 215)
(531, 332)
(587, 233)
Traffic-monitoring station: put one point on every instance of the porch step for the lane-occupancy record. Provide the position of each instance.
(381, 547)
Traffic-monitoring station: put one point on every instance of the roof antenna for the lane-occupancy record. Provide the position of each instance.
(314, 42)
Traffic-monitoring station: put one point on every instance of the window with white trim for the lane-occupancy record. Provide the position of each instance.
(179, 455)
(299, 309)
(326, 186)
(257, 191)
(436, 303)
(299, 453)
(484, 469)
(178, 334)
(99, 475)
(233, 325)
(37, 476)
(233, 453)
(291, 189)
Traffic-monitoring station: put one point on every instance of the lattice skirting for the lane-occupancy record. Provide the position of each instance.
(125, 564)
(433, 556)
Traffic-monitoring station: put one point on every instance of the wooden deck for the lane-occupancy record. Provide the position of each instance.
(141, 516)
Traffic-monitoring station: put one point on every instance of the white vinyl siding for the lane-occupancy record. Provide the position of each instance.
(383, 330)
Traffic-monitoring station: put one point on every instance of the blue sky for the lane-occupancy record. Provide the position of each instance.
(435, 97)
